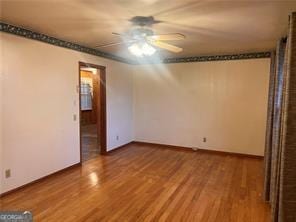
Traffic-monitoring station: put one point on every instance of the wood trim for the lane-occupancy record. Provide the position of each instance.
(189, 149)
(79, 107)
(41, 179)
(103, 113)
(165, 146)
(120, 147)
(101, 110)
(83, 64)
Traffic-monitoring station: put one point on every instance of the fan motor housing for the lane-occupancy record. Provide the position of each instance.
(143, 20)
(140, 33)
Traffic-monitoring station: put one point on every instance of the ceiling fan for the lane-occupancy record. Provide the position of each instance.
(141, 39)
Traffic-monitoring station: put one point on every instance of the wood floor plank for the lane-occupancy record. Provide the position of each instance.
(149, 183)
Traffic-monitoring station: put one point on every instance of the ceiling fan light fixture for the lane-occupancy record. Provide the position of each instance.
(148, 49)
(142, 41)
(139, 50)
(135, 50)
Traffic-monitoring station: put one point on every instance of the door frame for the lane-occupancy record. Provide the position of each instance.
(101, 109)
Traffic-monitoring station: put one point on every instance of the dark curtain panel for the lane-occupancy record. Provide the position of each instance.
(276, 129)
(287, 167)
(269, 127)
(280, 150)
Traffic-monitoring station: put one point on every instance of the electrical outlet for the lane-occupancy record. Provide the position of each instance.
(7, 173)
(117, 137)
(204, 140)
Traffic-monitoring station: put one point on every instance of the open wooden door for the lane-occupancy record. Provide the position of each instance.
(92, 103)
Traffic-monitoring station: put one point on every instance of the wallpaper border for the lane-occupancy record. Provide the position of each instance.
(4, 27)
(255, 55)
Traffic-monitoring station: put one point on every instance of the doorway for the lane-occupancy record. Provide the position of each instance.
(92, 104)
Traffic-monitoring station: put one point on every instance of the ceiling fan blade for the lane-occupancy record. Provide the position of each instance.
(123, 36)
(166, 46)
(167, 37)
(109, 44)
(115, 33)
(116, 43)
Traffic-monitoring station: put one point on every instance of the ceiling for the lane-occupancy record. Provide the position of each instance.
(211, 27)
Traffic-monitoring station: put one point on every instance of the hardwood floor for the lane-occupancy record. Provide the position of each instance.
(149, 183)
(89, 142)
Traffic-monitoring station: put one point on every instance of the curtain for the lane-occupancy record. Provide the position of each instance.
(280, 146)
(273, 121)
(287, 167)
(269, 126)
(276, 129)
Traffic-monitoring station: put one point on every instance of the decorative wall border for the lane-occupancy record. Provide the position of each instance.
(4, 27)
(256, 55)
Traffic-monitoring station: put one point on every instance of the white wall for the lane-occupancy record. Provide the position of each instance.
(39, 100)
(175, 104)
(224, 101)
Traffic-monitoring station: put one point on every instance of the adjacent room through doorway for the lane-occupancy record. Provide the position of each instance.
(92, 110)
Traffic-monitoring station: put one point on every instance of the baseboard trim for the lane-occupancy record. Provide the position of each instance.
(189, 149)
(118, 148)
(59, 172)
(40, 179)
(166, 146)
(156, 145)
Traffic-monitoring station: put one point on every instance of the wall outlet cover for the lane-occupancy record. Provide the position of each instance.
(7, 173)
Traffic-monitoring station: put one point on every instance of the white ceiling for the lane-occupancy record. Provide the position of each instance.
(211, 27)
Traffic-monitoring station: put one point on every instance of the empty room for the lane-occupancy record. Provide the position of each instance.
(147, 110)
